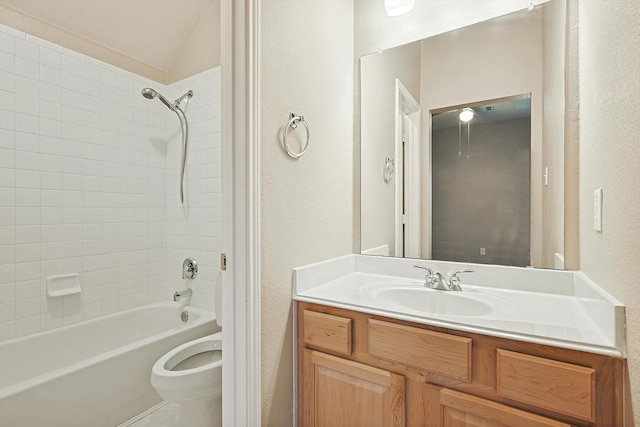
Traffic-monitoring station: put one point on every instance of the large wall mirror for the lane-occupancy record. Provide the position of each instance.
(462, 143)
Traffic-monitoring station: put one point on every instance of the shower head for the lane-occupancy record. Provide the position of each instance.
(149, 93)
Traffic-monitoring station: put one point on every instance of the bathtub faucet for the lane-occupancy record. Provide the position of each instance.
(178, 295)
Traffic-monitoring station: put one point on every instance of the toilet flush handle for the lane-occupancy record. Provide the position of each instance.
(189, 269)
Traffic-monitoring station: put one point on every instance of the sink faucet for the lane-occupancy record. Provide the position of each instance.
(435, 280)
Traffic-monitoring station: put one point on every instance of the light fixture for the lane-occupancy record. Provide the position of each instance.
(466, 115)
(398, 7)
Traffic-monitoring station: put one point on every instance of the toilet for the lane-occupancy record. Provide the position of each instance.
(190, 376)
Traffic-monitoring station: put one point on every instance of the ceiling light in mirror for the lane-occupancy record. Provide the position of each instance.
(466, 115)
(398, 7)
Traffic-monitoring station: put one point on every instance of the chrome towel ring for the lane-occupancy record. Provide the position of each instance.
(387, 171)
(294, 119)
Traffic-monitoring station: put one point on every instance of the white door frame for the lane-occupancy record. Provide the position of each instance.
(407, 189)
(241, 282)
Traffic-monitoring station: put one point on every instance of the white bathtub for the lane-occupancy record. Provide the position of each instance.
(94, 373)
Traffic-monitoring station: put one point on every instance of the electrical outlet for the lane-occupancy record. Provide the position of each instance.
(483, 251)
(597, 209)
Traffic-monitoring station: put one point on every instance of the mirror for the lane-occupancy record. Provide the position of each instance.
(481, 183)
(406, 90)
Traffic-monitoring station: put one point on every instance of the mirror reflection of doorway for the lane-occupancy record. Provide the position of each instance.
(407, 185)
(481, 183)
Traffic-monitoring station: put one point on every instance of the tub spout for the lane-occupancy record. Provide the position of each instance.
(178, 295)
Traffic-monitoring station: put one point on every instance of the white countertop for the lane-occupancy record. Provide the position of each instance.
(559, 308)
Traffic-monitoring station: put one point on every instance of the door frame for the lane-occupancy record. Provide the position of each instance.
(240, 152)
(407, 185)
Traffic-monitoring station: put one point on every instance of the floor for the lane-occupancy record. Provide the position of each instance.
(161, 415)
(165, 414)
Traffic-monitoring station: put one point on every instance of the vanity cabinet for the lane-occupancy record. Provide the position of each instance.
(462, 410)
(357, 369)
(347, 393)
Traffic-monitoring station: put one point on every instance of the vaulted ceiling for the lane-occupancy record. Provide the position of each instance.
(150, 31)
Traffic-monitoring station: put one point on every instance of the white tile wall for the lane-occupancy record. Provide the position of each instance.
(195, 229)
(89, 184)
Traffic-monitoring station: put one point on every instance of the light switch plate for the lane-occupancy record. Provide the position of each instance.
(597, 209)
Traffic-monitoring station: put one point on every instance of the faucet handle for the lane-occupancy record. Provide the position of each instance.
(429, 271)
(455, 279)
(189, 269)
(429, 277)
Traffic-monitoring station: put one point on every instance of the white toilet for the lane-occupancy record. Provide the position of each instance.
(190, 376)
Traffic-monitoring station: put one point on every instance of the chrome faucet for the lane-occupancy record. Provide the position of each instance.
(178, 295)
(429, 277)
(454, 282)
(435, 280)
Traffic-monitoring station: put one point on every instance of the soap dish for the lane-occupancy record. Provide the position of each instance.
(67, 284)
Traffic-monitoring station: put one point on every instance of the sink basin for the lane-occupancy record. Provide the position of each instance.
(432, 301)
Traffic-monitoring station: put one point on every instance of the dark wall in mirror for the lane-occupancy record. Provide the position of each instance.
(523, 52)
(481, 183)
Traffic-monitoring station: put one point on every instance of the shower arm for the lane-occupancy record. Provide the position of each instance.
(178, 101)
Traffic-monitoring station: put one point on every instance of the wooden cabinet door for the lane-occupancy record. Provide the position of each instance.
(463, 410)
(339, 393)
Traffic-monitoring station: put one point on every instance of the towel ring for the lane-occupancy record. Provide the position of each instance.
(387, 171)
(294, 119)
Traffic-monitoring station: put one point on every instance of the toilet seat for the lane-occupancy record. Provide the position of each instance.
(204, 381)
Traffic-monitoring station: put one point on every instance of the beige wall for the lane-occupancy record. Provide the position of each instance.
(375, 30)
(379, 72)
(553, 113)
(306, 63)
(610, 158)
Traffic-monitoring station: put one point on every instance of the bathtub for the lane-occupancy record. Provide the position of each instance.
(94, 373)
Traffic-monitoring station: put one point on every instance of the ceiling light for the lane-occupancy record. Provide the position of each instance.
(466, 115)
(398, 7)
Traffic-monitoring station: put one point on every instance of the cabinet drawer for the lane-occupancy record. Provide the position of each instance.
(557, 386)
(328, 332)
(460, 409)
(443, 354)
